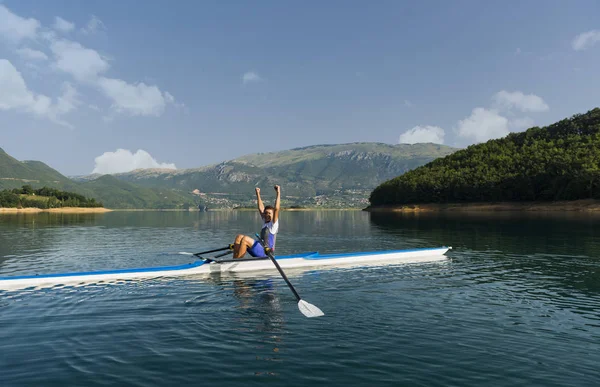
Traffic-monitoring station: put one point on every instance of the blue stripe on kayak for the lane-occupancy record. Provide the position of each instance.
(301, 255)
(351, 255)
(137, 270)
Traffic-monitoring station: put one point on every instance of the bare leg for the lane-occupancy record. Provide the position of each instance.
(247, 242)
(236, 245)
(241, 245)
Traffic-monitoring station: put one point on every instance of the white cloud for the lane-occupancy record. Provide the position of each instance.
(421, 134)
(586, 40)
(483, 125)
(82, 63)
(16, 95)
(63, 25)
(520, 101)
(15, 28)
(251, 76)
(85, 65)
(137, 100)
(169, 97)
(28, 53)
(123, 160)
(521, 123)
(93, 26)
(69, 99)
(407, 103)
(171, 100)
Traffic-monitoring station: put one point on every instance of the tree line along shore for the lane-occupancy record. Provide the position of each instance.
(28, 199)
(584, 205)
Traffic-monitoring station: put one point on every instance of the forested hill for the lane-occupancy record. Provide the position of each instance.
(557, 162)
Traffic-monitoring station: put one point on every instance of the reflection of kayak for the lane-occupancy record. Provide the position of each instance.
(208, 266)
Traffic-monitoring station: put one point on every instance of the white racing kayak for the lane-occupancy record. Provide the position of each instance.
(212, 265)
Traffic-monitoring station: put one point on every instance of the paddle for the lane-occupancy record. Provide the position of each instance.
(307, 309)
(229, 247)
(214, 259)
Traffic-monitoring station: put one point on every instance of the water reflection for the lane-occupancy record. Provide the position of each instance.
(561, 245)
(259, 318)
(54, 242)
(519, 233)
(266, 319)
(557, 252)
(45, 219)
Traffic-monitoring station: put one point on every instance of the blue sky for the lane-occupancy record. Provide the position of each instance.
(109, 86)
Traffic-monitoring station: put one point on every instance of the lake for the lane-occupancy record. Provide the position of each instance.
(517, 303)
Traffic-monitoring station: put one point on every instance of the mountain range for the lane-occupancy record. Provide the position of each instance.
(341, 175)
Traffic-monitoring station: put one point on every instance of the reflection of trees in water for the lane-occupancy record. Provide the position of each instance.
(42, 219)
(507, 232)
(23, 232)
(564, 247)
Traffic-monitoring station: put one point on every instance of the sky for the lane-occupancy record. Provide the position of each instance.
(105, 86)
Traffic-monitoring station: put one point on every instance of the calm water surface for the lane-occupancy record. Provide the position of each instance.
(517, 303)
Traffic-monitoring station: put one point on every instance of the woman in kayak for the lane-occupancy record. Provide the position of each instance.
(268, 233)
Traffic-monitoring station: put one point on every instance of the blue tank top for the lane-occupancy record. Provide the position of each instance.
(268, 233)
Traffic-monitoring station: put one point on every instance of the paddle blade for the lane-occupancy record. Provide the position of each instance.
(309, 310)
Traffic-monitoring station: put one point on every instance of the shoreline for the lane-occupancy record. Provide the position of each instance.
(234, 209)
(585, 205)
(101, 210)
(64, 210)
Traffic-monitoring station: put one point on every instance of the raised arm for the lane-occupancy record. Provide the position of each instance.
(277, 200)
(261, 206)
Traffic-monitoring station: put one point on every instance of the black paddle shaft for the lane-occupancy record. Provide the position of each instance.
(230, 247)
(270, 255)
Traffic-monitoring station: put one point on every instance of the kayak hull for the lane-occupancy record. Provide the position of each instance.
(297, 261)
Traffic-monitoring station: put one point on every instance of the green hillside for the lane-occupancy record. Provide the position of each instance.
(15, 173)
(115, 193)
(49, 173)
(298, 156)
(557, 162)
(321, 175)
(345, 166)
